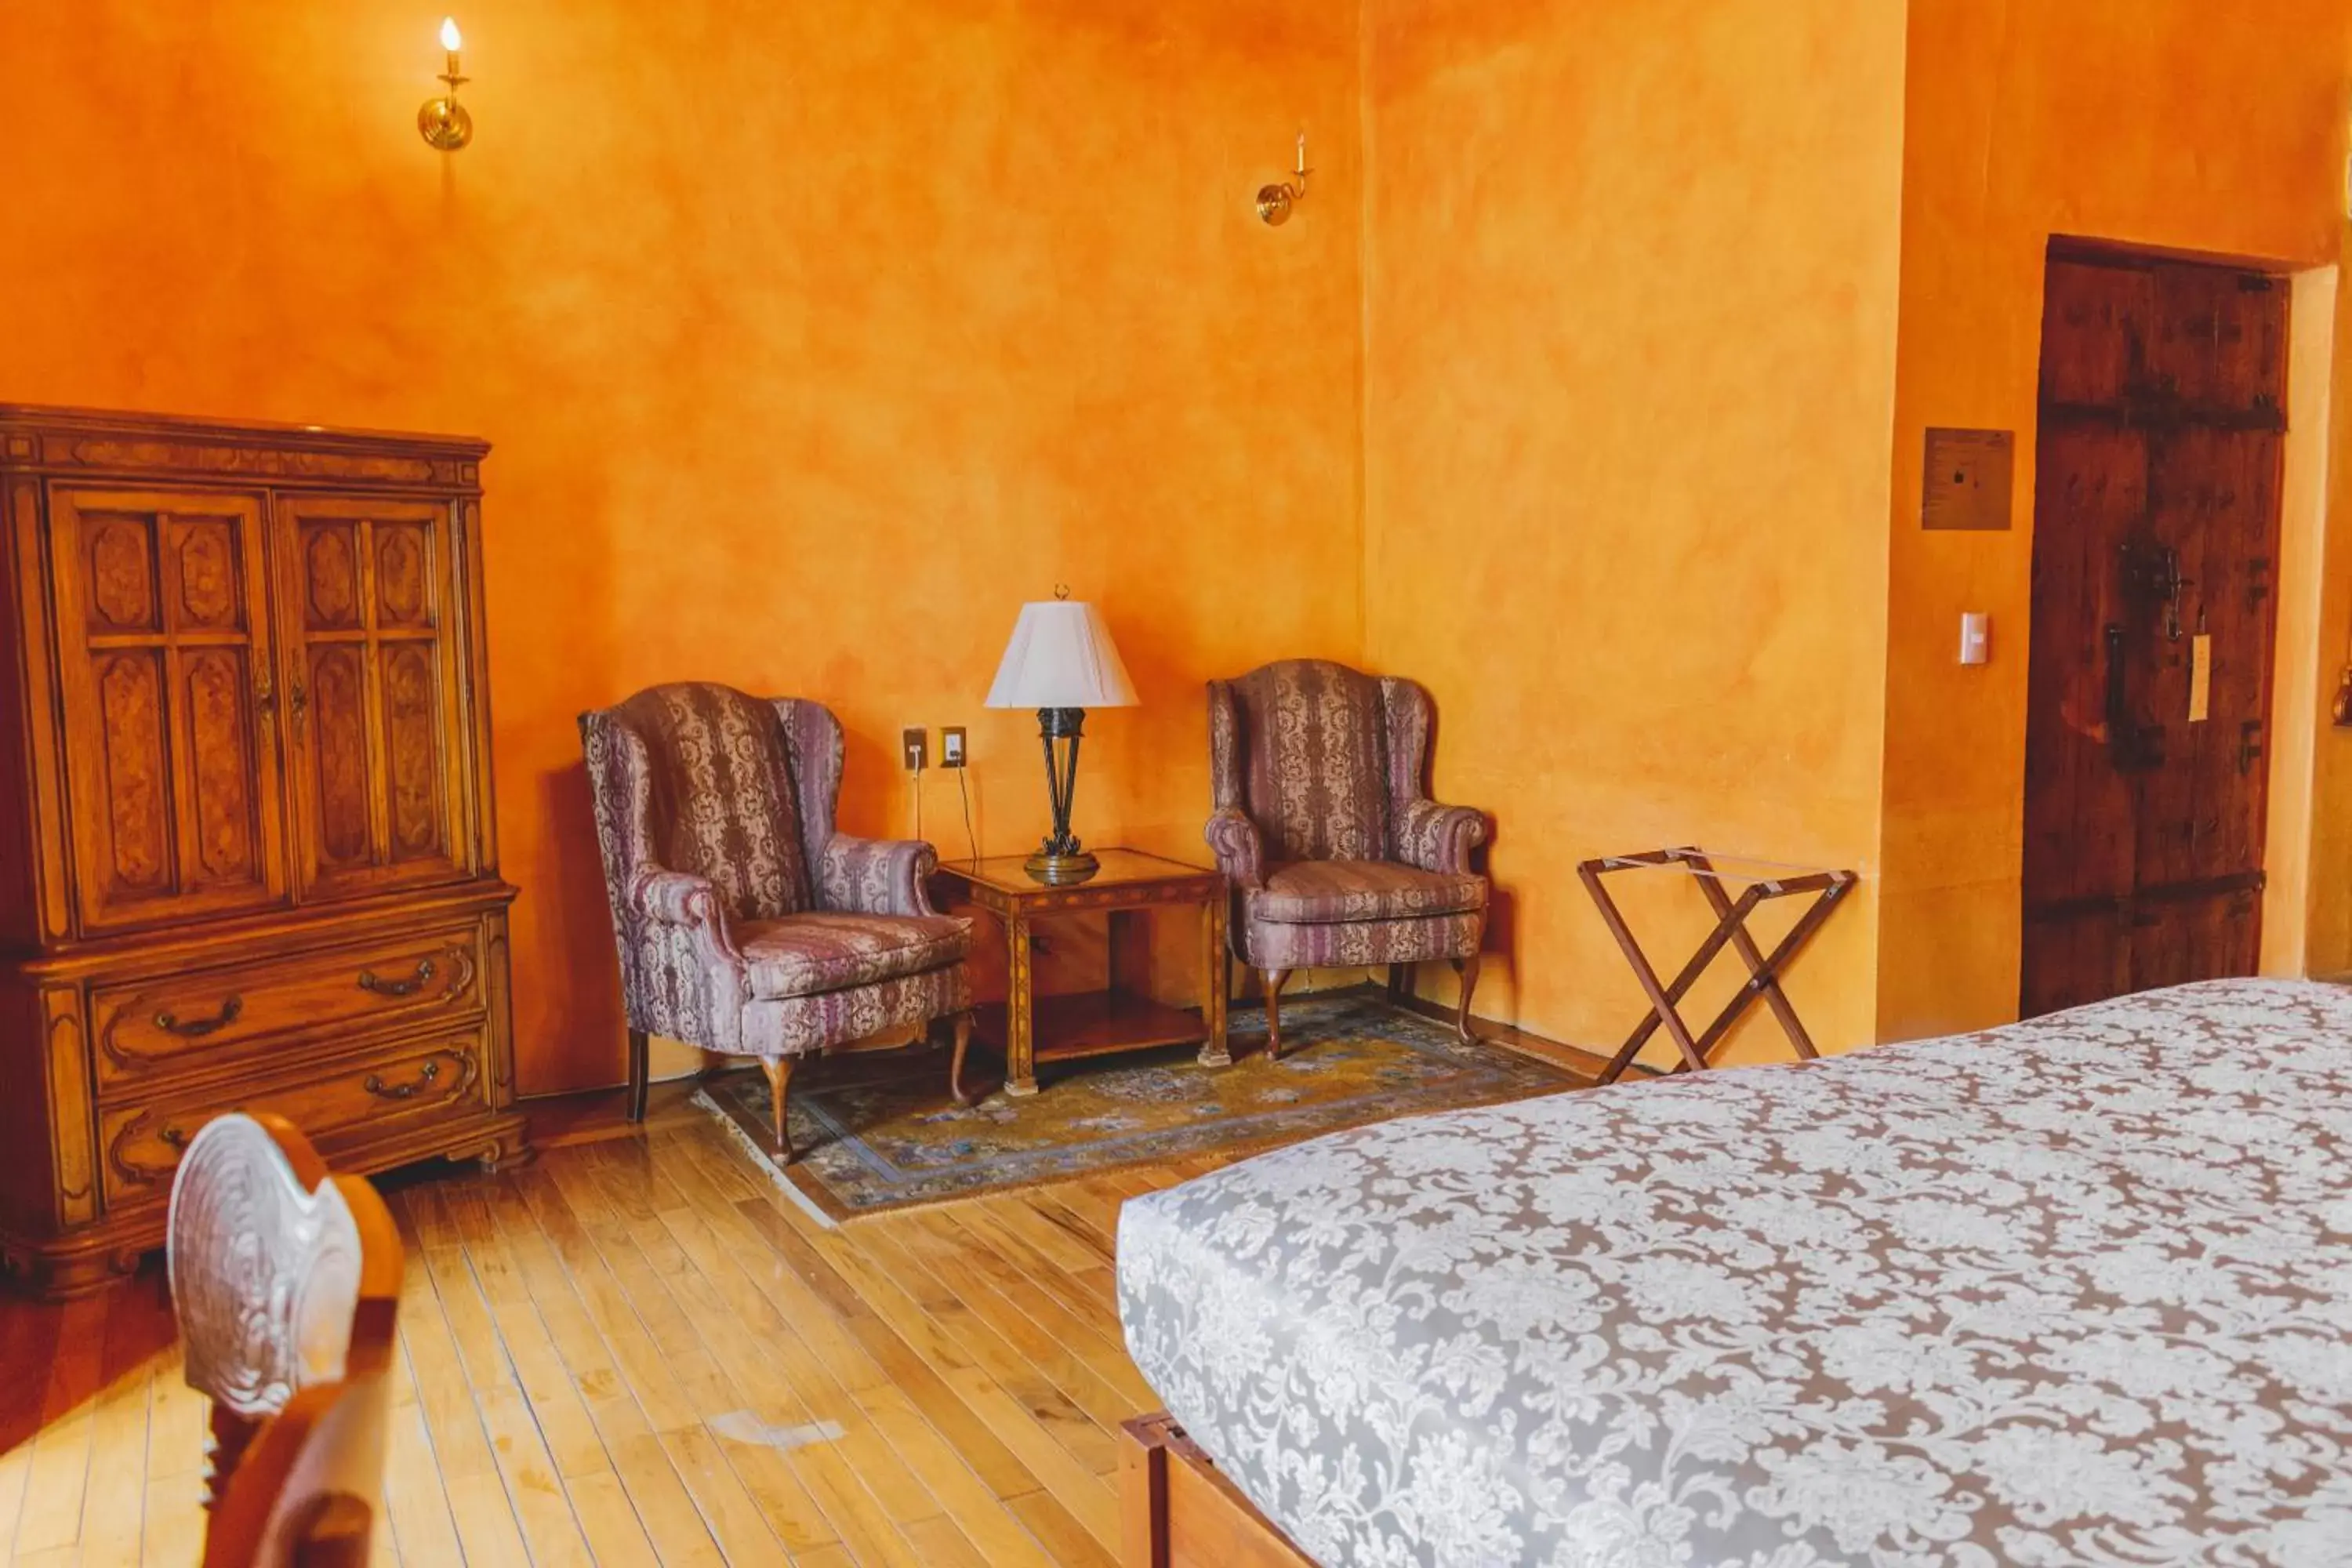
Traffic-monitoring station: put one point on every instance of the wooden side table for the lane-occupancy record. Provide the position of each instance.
(1029, 1029)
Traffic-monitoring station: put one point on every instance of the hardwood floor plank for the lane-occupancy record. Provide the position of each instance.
(640, 1350)
(1072, 1426)
(642, 1368)
(488, 1529)
(1008, 1415)
(1069, 1542)
(114, 1502)
(62, 1455)
(172, 1525)
(552, 1393)
(980, 1515)
(965, 1431)
(1082, 1362)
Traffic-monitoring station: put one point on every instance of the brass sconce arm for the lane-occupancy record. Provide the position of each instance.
(1275, 202)
(443, 121)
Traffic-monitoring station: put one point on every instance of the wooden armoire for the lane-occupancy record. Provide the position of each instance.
(247, 854)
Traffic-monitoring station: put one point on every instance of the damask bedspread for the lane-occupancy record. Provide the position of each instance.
(2078, 1290)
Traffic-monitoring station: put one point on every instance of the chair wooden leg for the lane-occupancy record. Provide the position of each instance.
(639, 1069)
(1400, 982)
(780, 1078)
(1468, 969)
(955, 1069)
(1274, 979)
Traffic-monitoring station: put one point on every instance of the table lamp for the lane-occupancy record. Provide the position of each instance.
(1061, 661)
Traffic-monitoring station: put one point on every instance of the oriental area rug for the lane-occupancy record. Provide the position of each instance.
(875, 1133)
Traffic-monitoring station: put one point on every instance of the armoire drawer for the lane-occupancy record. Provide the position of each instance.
(207, 1018)
(354, 1101)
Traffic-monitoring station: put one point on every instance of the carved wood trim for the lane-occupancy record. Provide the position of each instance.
(53, 856)
(189, 457)
(140, 1175)
(69, 1102)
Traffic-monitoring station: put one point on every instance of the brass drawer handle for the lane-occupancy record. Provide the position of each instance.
(198, 1028)
(174, 1138)
(410, 987)
(381, 1091)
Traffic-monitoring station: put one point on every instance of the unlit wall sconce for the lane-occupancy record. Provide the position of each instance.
(443, 121)
(1273, 202)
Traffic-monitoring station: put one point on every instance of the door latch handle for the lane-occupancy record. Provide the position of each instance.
(2121, 731)
(2249, 745)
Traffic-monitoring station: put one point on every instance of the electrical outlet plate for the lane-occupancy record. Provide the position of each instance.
(951, 746)
(914, 749)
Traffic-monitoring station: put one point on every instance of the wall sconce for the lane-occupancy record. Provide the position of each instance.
(1273, 202)
(443, 121)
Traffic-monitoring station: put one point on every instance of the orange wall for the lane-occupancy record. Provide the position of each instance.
(2177, 123)
(1631, 285)
(812, 339)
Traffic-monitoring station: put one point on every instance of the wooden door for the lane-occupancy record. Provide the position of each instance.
(163, 631)
(2155, 530)
(371, 635)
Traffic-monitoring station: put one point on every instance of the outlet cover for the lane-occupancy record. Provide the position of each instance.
(914, 749)
(950, 745)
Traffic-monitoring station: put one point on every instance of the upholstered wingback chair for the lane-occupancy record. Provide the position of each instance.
(1336, 854)
(746, 924)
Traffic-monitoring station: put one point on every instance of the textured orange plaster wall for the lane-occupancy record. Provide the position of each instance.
(1631, 275)
(2173, 123)
(812, 338)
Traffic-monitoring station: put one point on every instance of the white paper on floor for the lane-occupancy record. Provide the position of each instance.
(742, 1427)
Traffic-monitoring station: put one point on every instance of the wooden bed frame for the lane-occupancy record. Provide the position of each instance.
(1177, 1511)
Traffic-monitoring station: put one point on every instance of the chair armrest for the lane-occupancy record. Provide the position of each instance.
(1241, 853)
(1439, 838)
(681, 972)
(876, 875)
(674, 898)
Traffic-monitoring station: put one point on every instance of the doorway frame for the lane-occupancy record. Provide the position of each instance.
(2302, 673)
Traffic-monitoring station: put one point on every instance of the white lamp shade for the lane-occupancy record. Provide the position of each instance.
(1061, 656)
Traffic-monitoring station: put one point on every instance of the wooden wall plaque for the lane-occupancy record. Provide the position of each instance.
(1966, 482)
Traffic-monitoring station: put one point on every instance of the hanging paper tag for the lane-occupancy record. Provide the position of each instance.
(2200, 678)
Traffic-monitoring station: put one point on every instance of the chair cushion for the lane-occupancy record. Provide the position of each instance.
(804, 955)
(1326, 892)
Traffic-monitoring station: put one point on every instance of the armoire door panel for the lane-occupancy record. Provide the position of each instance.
(382, 727)
(163, 656)
(134, 776)
(415, 764)
(335, 741)
(220, 834)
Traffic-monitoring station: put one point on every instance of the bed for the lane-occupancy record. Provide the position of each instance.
(2077, 1290)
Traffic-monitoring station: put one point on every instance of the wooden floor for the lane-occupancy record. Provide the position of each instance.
(639, 1350)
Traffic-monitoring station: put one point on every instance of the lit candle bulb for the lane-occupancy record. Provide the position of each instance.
(451, 41)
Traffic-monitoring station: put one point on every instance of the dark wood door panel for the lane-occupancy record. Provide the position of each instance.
(2155, 520)
(2090, 483)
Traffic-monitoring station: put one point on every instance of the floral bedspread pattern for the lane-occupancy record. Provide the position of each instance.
(2078, 1290)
